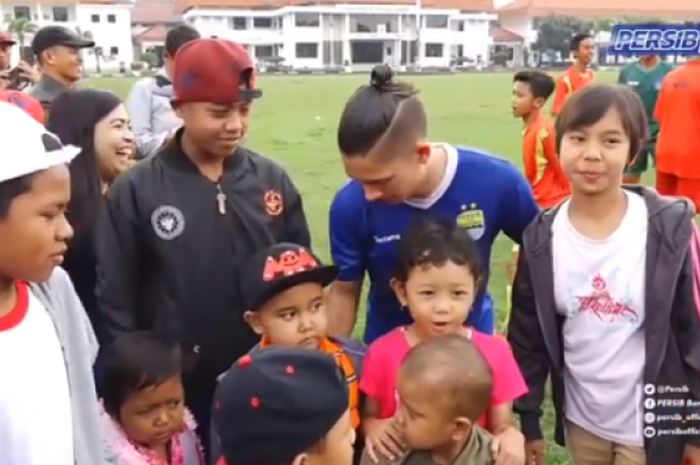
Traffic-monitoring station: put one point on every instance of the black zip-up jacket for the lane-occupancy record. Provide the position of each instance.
(672, 326)
(171, 243)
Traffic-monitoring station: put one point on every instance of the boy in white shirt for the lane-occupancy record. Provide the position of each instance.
(48, 407)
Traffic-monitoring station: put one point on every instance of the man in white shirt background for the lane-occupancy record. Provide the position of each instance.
(152, 117)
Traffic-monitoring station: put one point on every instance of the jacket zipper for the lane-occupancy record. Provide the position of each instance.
(221, 199)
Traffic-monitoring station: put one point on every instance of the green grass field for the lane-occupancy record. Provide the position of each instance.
(295, 123)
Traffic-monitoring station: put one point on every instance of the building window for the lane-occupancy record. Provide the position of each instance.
(433, 50)
(262, 23)
(111, 18)
(264, 51)
(22, 12)
(436, 22)
(307, 50)
(306, 20)
(239, 23)
(95, 18)
(60, 14)
(114, 51)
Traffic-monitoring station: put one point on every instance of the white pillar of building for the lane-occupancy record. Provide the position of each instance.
(347, 50)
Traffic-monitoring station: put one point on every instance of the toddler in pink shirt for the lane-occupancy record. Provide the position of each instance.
(437, 281)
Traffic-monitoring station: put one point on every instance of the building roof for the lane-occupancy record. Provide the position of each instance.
(651, 8)
(11, 3)
(155, 33)
(155, 12)
(69, 2)
(463, 5)
(504, 36)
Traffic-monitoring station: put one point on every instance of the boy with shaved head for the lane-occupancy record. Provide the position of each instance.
(444, 387)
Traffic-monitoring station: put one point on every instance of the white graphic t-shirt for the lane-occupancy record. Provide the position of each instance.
(599, 289)
(36, 423)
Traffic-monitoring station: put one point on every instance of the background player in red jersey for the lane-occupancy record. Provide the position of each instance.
(578, 75)
(678, 143)
(531, 89)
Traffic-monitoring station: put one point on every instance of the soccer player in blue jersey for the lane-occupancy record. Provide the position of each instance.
(396, 176)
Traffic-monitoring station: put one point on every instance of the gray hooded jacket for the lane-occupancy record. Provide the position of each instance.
(152, 117)
(80, 350)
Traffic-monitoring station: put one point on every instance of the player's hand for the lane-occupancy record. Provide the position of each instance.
(384, 442)
(534, 452)
(29, 72)
(508, 448)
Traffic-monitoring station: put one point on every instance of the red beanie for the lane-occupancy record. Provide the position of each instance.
(215, 71)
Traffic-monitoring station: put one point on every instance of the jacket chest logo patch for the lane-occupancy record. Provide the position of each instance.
(168, 222)
(273, 203)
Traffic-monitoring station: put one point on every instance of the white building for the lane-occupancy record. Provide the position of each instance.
(107, 22)
(521, 16)
(326, 36)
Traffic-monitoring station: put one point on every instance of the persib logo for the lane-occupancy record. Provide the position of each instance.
(655, 39)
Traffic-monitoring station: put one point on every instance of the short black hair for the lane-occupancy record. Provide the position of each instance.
(433, 242)
(179, 36)
(576, 40)
(541, 84)
(383, 110)
(590, 104)
(133, 362)
(11, 189)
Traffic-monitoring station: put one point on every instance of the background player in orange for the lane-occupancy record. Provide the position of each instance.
(578, 75)
(678, 142)
(531, 89)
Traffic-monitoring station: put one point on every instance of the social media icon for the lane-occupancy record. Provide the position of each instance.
(649, 432)
(649, 404)
(649, 389)
(649, 417)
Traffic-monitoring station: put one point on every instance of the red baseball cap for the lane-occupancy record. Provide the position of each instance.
(215, 71)
(26, 102)
(6, 39)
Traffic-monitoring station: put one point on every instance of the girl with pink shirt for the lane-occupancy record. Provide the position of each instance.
(143, 416)
(437, 279)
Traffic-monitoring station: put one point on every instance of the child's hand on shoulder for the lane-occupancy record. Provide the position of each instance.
(383, 441)
(508, 448)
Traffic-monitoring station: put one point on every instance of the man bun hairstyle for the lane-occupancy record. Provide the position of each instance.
(380, 115)
(381, 77)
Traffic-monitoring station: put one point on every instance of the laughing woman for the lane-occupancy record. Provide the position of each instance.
(97, 122)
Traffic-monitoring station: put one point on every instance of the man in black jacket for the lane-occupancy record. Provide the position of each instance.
(178, 226)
